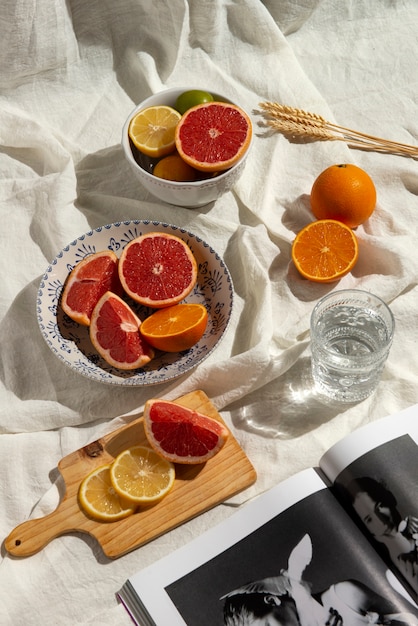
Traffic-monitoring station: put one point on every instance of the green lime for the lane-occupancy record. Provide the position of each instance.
(189, 99)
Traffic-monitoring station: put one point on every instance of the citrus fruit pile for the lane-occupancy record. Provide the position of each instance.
(143, 475)
(156, 270)
(342, 197)
(195, 139)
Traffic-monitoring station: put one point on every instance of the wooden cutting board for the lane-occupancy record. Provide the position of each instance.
(197, 488)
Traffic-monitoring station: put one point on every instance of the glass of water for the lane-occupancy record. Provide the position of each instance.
(351, 335)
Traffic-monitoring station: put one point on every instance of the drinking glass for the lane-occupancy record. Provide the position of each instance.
(351, 334)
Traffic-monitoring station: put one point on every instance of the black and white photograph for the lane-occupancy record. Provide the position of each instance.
(307, 564)
(380, 489)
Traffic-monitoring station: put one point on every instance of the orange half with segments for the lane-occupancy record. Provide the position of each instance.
(325, 251)
(175, 328)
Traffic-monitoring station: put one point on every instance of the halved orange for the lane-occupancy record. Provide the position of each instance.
(157, 269)
(325, 251)
(152, 130)
(212, 137)
(175, 328)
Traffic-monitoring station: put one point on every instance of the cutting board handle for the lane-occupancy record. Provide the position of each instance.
(34, 534)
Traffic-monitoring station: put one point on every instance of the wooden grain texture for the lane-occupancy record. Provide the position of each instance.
(197, 488)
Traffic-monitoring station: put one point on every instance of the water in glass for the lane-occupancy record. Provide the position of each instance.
(350, 344)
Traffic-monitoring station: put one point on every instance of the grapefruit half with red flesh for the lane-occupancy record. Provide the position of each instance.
(180, 434)
(87, 282)
(114, 332)
(157, 270)
(212, 137)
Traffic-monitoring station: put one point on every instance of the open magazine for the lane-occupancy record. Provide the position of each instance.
(334, 545)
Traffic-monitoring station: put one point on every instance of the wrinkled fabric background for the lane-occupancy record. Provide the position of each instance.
(70, 73)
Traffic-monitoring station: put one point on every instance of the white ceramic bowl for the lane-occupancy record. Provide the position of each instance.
(191, 194)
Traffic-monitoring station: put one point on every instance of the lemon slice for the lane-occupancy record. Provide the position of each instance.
(99, 499)
(152, 130)
(141, 476)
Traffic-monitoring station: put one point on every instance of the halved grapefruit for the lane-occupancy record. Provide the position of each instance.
(212, 137)
(157, 269)
(87, 282)
(180, 434)
(114, 332)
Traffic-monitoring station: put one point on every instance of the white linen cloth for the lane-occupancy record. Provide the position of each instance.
(71, 72)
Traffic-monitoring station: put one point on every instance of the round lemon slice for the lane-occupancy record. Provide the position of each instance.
(152, 130)
(141, 476)
(99, 499)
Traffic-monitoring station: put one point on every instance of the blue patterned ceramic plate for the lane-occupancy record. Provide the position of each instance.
(70, 342)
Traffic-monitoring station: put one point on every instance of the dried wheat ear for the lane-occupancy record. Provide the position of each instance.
(298, 123)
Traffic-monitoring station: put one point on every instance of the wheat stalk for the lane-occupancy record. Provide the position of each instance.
(298, 123)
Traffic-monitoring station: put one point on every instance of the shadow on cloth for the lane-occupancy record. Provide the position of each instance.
(108, 191)
(123, 27)
(24, 352)
(286, 407)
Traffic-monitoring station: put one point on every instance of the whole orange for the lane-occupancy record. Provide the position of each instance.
(345, 193)
(172, 167)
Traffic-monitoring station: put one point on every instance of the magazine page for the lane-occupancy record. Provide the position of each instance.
(374, 472)
(291, 556)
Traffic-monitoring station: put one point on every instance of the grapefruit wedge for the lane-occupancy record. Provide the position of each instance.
(157, 269)
(114, 332)
(212, 137)
(180, 434)
(87, 282)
